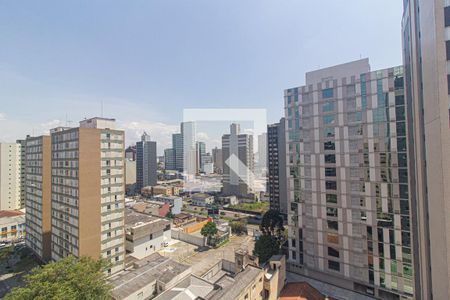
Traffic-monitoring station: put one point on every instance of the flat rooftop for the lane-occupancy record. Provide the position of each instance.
(145, 271)
(134, 219)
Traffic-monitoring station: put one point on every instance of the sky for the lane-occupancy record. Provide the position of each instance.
(148, 60)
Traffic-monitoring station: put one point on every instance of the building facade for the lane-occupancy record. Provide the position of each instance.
(169, 159)
(12, 225)
(217, 160)
(177, 146)
(38, 204)
(426, 56)
(146, 163)
(238, 162)
(88, 191)
(200, 152)
(276, 167)
(349, 210)
(10, 176)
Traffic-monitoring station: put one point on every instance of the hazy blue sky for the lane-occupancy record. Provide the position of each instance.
(147, 60)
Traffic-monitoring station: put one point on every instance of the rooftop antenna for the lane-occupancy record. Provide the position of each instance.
(68, 121)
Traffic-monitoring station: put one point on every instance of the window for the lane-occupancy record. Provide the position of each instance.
(351, 90)
(328, 106)
(355, 130)
(333, 238)
(327, 93)
(403, 175)
(333, 225)
(354, 116)
(401, 129)
(334, 265)
(332, 212)
(330, 158)
(328, 119)
(331, 198)
(351, 104)
(330, 145)
(330, 172)
(447, 48)
(333, 252)
(330, 185)
(329, 131)
(447, 16)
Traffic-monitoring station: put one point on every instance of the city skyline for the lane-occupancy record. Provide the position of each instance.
(123, 77)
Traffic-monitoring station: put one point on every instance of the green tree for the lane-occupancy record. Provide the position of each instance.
(68, 278)
(238, 227)
(6, 253)
(265, 247)
(272, 224)
(209, 230)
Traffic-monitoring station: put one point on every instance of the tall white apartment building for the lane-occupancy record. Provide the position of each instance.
(350, 210)
(88, 192)
(10, 176)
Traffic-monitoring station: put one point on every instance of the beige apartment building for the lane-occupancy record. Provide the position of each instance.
(88, 191)
(10, 176)
(426, 56)
(38, 190)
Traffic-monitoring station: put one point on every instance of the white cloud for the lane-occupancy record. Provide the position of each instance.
(158, 131)
(2, 116)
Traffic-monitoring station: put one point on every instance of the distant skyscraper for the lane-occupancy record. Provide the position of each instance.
(238, 149)
(217, 160)
(38, 168)
(349, 207)
(88, 192)
(262, 151)
(189, 149)
(426, 56)
(130, 153)
(10, 176)
(200, 153)
(169, 159)
(276, 166)
(177, 146)
(146, 163)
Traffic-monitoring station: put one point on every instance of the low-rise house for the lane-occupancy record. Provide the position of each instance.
(154, 208)
(146, 278)
(242, 279)
(12, 225)
(145, 234)
(201, 199)
(175, 202)
(229, 200)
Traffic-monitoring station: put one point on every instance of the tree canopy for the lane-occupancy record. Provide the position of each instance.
(68, 278)
(209, 230)
(273, 236)
(265, 247)
(272, 224)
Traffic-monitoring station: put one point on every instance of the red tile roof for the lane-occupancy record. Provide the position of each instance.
(10, 213)
(301, 291)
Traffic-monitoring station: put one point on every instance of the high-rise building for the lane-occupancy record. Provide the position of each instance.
(10, 176)
(88, 190)
(169, 159)
(238, 162)
(188, 132)
(349, 211)
(217, 160)
(262, 151)
(200, 152)
(38, 186)
(426, 57)
(177, 146)
(130, 153)
(146, 163)
(276, 166)
(22, 172)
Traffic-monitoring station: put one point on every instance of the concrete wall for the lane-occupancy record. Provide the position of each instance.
(188, 238)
